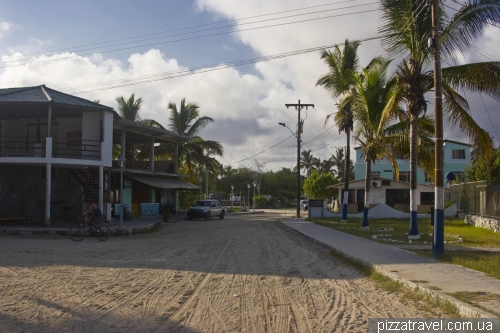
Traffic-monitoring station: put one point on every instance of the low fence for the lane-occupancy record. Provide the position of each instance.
(479, 198)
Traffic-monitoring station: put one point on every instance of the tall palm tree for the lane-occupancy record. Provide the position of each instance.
(186, 120)
(371, 91)
(406, 29)
(338, 82)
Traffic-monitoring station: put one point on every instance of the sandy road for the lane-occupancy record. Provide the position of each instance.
(241, 274)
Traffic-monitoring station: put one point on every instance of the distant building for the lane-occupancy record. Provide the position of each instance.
(457, 157)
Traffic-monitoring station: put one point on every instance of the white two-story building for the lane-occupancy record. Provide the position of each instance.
(56, 152)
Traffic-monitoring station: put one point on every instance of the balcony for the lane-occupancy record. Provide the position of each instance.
(159, 166)
(74, 148)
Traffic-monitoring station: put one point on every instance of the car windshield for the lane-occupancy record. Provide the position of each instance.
(202, 203)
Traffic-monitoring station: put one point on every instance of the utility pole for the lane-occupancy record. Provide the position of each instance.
(299, 107)
(434, 41)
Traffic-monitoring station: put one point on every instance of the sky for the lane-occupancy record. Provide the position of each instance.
(100, 50)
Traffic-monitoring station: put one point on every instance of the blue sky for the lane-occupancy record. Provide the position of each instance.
(246, 102)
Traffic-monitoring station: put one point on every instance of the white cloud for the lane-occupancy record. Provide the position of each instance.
(4, 27)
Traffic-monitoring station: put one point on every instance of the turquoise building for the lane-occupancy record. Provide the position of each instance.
(457, 157)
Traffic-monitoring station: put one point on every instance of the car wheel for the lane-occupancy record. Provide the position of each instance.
(221, 216)
(207, 216)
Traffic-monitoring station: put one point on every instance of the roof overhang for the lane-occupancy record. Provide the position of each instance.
(168, 184)
(140, 133)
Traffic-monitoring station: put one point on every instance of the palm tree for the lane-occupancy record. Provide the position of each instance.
(129, 109)
(371, 90)
(187, 121)
(339, 163)
(406, 29)
(338, 82)
(306, 162)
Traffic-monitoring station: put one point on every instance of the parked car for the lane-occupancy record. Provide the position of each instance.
(206, 209)
(304, 204)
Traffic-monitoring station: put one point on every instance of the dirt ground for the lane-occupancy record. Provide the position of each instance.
(240, 274)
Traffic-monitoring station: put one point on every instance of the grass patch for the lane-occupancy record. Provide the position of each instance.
(474, 298)
(394, 231)
(487, 262)
(421, 299)
(419, 281)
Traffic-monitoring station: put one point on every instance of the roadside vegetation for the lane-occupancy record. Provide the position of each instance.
(457, 235)
(424, 301)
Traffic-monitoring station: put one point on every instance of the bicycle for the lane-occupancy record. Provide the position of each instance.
(78, 232)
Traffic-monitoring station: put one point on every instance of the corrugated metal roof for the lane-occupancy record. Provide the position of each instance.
(43, 94)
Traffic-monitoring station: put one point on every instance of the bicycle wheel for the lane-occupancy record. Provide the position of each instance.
(103, 233)
(77, 233)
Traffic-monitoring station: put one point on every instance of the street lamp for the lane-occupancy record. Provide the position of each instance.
(254, 184)
(248, 198)
(298, 163)
(232, 188)
(121, 164)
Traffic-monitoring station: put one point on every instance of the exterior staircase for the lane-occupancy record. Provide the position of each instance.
(89, 179)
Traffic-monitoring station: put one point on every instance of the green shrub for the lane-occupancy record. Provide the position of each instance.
(260, 201)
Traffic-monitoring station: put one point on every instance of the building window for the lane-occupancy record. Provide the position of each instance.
(387, 170)
(404, 176)
(458, 154)
(427, 198)
(386, 183)
(375, 174)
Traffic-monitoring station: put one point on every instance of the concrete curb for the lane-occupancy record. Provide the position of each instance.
(465, 310)
(65, 231)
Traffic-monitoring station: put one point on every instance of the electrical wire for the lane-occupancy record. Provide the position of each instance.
(195, 37)
(204, 30)
(105, 85)
(260, 152)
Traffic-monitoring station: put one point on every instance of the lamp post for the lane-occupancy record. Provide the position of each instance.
(248, 198)
(254, 184)
(232, 188)
(121, 164)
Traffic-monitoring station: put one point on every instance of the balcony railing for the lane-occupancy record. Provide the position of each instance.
(160, 166)
(21, 146)
(74, 148)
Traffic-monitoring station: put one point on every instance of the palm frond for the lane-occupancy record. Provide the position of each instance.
(478, 77)
(468, 24)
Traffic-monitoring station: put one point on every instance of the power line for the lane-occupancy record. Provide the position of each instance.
(196, 37)
(181, 73)
(209, 29)
(260, 152)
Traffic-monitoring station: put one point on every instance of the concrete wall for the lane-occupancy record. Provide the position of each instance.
(482, 221)
(22, 196)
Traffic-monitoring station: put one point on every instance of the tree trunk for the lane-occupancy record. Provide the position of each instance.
(346, 176)
(367, 190)
(413, 233)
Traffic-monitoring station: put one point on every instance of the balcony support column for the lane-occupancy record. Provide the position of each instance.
(49, 121)
(152, 155)
(101, 188)
(48, 175)
(122, 149)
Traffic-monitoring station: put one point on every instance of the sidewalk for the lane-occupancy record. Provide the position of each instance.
(407, 267)
(130, 227)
